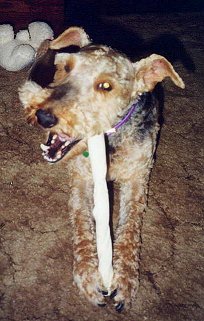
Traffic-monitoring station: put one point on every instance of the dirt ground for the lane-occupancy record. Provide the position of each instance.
(36, 247)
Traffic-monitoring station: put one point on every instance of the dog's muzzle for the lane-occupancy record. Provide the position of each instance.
(45, 118)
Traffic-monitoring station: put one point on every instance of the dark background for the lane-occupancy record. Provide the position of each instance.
(97, 18)
(86, 13)
(83, 8)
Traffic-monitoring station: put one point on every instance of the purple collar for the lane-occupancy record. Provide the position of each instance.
(125, 119)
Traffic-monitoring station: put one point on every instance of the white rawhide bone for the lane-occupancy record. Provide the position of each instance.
(97, 153)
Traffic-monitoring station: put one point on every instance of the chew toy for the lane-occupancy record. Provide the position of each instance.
(97, 153)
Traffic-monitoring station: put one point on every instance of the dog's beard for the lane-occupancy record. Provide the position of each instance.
(57, 146)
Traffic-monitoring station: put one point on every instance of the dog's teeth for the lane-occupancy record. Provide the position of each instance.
(44, 147)
(59, 154)
(47, 158)
(66, 143)
(53, 139)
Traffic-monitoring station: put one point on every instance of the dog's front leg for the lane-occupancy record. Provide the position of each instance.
(127, 243)
(132, 175)
(85, 265)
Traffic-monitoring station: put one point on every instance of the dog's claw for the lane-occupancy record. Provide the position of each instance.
(102, 305)
(119, 307)
(105, 293)
(113, 294)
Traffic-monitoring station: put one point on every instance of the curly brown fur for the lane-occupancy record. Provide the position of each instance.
(92, 89)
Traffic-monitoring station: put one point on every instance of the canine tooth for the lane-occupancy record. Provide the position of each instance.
(54, 136)
(44, 147)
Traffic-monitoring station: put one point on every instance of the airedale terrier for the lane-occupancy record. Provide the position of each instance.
(76, 90)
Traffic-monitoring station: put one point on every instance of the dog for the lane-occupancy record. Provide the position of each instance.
(76, 90)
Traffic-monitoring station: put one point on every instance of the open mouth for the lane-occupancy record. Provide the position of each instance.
(57, 146)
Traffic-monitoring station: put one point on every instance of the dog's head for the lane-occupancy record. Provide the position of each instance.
(77, 89)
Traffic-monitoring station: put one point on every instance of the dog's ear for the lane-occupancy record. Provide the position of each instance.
(153, 69)
(73, 36)
(43, 69)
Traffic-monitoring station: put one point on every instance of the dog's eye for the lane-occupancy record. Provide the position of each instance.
(104, 86)
(67, 68)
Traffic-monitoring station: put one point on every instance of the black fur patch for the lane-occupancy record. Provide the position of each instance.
(69, 49)
(60, 91)
(146, 115)
(44, 69)
(148, 112)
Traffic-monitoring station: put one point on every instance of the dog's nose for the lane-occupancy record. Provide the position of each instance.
(45, 118)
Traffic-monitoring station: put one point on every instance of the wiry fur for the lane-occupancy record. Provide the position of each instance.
(83, 109)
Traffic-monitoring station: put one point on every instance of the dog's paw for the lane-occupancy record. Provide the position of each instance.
(89, 283)
(124, 289)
